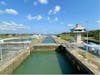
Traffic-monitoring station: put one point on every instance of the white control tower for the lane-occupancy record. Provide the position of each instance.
(78, 30)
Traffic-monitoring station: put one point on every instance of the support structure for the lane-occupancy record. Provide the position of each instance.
(78, 30)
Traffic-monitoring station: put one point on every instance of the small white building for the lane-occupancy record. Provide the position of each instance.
(1, 40)
(78, 30)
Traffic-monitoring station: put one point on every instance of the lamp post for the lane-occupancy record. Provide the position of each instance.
(98, 22)
(99, 36)
(87, 33)
(87, 23)
(87, 38)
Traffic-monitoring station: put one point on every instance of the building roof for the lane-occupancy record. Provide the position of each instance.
(78, 26)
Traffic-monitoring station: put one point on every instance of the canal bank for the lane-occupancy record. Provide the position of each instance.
(13, 63)
(46, 62)
(88, 60)
(76, 63)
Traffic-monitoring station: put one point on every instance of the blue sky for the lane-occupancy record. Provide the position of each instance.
(47, 16)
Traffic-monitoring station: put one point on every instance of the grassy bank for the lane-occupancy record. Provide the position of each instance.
(93, 36)
(14, 35)
(66, 36)
(92, 40)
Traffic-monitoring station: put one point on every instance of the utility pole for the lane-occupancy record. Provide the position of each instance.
(99, 33)
(98, 23)
(87, 33)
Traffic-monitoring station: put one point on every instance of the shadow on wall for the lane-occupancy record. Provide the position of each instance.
(66, 62)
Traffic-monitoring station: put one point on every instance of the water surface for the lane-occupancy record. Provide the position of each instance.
(48, 39)
(45, 62)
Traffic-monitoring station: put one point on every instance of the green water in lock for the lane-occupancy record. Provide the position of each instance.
(45, 62)
(40, 62)
(48, 40)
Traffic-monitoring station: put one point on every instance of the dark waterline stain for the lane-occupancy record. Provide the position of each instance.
(65, 65)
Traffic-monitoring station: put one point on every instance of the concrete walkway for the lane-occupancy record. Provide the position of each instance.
(90, 61)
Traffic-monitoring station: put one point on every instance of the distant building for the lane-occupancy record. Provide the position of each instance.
(1, 41)
(78, 30)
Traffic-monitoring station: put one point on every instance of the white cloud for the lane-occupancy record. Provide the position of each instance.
(52, 20)
(12, 26)
(9, 11)
(3, 3)
(48, 18)
(38, 17)
(29, 17)
(56, 9)
(56, 19)
(35, 3)
(43, 1)
(70, 25)
(50, 11)
(98, 21)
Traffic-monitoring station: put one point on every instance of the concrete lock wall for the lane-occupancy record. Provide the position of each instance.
(75, 62)
(43, 48)
(12, 64)
(18, 44)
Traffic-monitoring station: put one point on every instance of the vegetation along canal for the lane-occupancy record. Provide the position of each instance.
(46, 62)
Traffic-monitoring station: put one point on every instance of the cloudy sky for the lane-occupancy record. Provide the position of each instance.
(47, 16)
